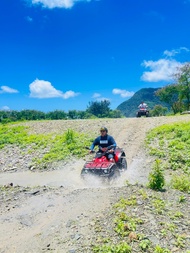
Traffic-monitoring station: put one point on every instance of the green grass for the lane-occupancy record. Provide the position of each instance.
(57, 147)
(171, 144)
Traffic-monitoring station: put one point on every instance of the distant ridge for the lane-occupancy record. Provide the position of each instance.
(130, 106)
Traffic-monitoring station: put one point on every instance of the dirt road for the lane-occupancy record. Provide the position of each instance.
(55, 211)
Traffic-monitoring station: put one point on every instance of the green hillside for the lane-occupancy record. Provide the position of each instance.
(130, 106)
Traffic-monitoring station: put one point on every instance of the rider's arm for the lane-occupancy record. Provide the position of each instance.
(95, 142)
(112, 141)
(92, 147)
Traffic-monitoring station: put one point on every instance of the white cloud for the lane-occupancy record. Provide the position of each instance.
(173, 52)
(44, 89)
(58, 3)
(96, 95)
(165, 68)
(5, 108)
(123, 93)
(6, 89)
(161, 70)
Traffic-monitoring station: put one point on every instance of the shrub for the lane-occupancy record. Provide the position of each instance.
(156, 177)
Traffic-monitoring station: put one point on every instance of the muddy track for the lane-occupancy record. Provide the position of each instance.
(58, 210)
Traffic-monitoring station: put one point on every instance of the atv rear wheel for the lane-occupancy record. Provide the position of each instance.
(123, 164)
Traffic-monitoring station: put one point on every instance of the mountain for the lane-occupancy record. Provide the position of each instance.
(130, 106)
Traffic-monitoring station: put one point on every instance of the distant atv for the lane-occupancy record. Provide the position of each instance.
(100, 166)
(142, 112)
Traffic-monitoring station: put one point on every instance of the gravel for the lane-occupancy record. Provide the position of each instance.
(54, 211)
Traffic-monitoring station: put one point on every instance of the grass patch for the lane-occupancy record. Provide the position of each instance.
(171, 145)
(53, 147)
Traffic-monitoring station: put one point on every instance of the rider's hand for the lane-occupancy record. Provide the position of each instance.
(111, 151)
(104, 149)
(90, 151)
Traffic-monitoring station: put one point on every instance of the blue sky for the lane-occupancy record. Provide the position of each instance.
(63, 54)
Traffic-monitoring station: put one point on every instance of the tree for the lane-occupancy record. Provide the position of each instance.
(57, 114)
(158, 110)
(115, 114)
(170, 95)
(99, 109)
(183, 80)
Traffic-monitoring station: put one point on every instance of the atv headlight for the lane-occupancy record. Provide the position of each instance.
(105, 170)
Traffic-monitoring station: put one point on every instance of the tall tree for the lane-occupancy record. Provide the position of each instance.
(99, 109)
(170, 95)
(183, 80)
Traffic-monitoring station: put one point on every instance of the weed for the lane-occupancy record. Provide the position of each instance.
(180, 241)
(156, 177)
(181, 183)
(145, 244)
(158, 249)
(122, 247)
(182, 199)
(159, 205)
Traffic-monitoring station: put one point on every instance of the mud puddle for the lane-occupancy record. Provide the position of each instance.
(69, 177)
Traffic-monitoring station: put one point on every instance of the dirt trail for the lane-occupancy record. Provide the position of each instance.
(57, 212)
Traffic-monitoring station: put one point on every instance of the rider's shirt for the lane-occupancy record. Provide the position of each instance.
(103, 141)
(144, 106)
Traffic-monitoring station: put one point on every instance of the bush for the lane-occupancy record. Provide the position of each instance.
(156, 177)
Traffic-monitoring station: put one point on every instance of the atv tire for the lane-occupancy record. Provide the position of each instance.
(116, 173)
(123, 164)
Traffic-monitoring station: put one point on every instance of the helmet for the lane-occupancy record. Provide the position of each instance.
(104, 129)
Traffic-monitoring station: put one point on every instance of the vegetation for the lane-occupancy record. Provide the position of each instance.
(126, 227)
(177, 95)
(95, 109)
(171, 144)
(158, 110)
(170, 95)
(56, 147)
(183, 80)
(156, 177)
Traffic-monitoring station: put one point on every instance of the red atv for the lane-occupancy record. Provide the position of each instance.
(102, 167)
(142, 112)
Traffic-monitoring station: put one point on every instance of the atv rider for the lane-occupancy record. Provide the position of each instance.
(143, 105)
(103, 141)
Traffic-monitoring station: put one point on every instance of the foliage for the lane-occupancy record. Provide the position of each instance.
(181, 183)
(158, 110)
(58, 147)
(183, 80)
(171, 144)
(170, 95)
(57, 114)
(158, 249)
(156, 177)
(145, 244)
(122, 247)
(99, 109)
(128, 224)
(177, 95)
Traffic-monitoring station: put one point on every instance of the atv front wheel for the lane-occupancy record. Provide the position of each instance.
(116, 173)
